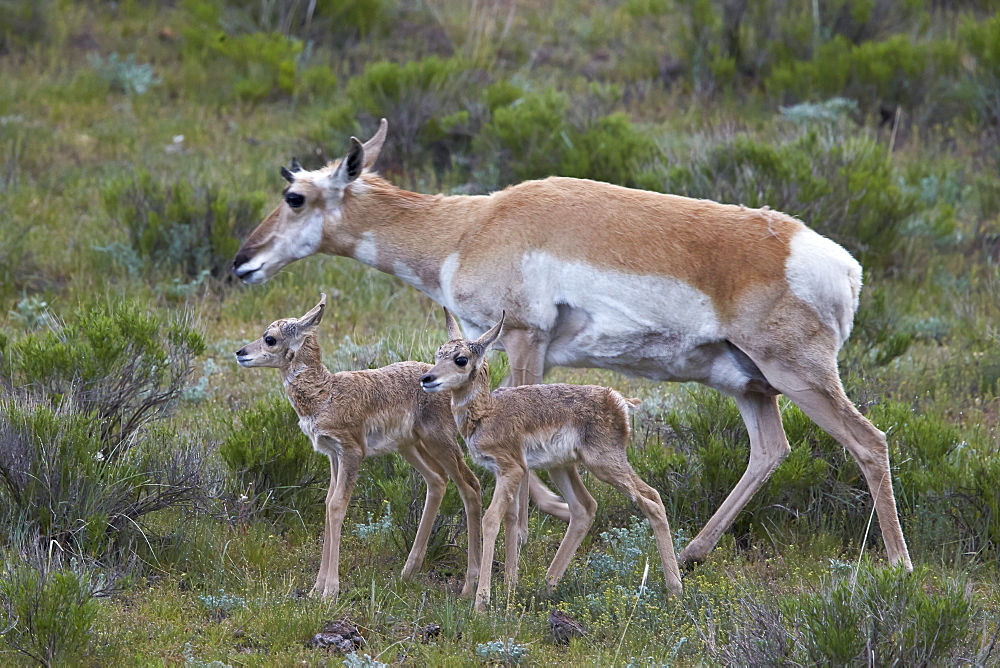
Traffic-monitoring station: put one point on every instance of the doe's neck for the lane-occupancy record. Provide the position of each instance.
(406, 234)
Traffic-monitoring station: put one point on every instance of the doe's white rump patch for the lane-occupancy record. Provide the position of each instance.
(825, 276)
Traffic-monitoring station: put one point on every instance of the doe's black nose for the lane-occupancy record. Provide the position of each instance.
(427, 378)
(241, 257)
(241, 352)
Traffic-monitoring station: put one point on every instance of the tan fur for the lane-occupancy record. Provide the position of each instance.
(748, 301)
(722, 250)
(345, 414)
(553, 427)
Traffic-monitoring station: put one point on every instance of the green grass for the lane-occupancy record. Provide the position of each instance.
(216, 581)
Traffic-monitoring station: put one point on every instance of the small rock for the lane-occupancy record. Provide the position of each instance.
(564, 627)
(430, 631)
(339, 636)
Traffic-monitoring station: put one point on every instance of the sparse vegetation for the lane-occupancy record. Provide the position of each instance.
(159, 505)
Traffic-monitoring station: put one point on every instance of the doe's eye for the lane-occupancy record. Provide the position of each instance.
(270, 340)
(295, 200)
(461, 361)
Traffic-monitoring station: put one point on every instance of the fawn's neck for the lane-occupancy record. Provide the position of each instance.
(473, 403)
(306, 379)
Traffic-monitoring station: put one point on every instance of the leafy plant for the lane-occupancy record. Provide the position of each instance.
(536, 136)
(180, 226)
(119, 363)
(845, 187)
(248, 66)
(272, 462)
(125, 76)
(80, 458)
(428, 101)
(886, 614)
(48, 611)
(895, 72)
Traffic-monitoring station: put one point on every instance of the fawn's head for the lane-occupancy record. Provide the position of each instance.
(456, 362)
(281, 339)
(312, 207)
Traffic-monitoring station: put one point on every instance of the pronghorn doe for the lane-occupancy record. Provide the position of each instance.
(748, 301)
(553, 427)
(355, 414)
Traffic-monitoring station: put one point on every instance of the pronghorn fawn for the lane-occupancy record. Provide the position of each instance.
(553, 427)
(748, 301)
(356, 414)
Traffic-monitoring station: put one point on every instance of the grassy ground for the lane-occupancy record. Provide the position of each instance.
(219, 579)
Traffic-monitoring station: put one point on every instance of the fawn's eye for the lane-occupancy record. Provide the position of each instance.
(295, 200)
(461, 361)
(270, 340)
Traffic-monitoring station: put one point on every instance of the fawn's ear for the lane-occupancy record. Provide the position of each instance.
(312, 318)
(489, 338)
(454, 331)
(306, 324)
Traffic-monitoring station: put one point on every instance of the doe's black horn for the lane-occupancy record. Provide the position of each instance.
(296, 167)
(287, 175)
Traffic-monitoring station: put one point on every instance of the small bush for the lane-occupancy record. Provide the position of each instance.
(48, 611)
(179, 227)
(116, 362)
(272, 462)
(429, 103)
(844, 187)
(124, 76)
(895, 72)
(320, 20)
(251, 66)
(886, 617)
(981, 88)
(535, 136)
(80, 457)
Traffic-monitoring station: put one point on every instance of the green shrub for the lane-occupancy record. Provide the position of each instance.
(271, 461)
(885, 617)
(117, 362)
(535, 136)
(361, 16)
(844, 187)
(429, 103)
(25, 23)
(48, 612)
(981, 88)
(81, 458)
(320, 20)
(225, 64)
(894, 72)
(180, 227)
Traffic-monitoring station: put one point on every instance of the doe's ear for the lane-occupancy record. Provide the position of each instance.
(491, 335)
(374, 145)
(352, 164)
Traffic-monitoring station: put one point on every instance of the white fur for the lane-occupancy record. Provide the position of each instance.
(295, 241)
(384, 433)
(447, 277)
(651, 325)
(551, 448)
(366, 250)
(405, 273)
(815, 270)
